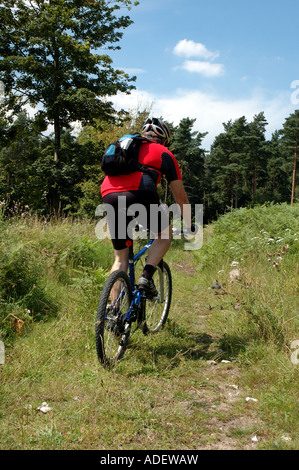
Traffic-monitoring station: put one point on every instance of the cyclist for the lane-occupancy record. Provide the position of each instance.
(141, 187)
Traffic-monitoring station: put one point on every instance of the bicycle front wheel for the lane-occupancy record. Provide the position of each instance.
(111, 333)
(157, 309)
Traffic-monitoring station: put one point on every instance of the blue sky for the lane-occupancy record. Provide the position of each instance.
(213, 60)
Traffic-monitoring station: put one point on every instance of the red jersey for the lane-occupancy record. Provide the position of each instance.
(154, 155)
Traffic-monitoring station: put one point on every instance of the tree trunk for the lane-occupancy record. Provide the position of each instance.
(294, 173)
(56, 139)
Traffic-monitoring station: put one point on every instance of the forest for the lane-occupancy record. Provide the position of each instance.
(50, 61)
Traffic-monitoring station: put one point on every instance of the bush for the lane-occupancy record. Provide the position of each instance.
(41, 261)
(23, 295)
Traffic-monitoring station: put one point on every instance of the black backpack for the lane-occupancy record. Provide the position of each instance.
(121, 157)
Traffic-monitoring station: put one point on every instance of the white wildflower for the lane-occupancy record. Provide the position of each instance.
(44, 408)
(251, 399)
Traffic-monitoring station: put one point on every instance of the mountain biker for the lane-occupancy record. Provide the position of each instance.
(141, 187)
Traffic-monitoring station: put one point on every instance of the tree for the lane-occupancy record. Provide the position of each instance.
(186, 147)
(127, 122)
(49, 57)
(290, 139)
(228, 164)
(277, 185)
(18, 152)
(258, 152)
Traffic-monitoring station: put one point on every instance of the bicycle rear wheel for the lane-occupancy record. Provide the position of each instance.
(157, 309)
(111, 333)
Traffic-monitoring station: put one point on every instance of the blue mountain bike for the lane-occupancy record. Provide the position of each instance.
(122, 303)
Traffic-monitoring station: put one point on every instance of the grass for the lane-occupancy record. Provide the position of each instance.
(171, 390)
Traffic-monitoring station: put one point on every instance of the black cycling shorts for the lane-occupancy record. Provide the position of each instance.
(127, 209)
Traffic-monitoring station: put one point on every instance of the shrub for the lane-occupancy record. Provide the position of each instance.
(23, 295)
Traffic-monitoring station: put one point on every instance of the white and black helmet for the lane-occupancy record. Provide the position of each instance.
(158, 127)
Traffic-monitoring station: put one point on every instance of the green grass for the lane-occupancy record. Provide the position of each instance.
(171, 390)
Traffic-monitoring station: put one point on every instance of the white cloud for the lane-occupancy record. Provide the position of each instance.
(204, 68)
(211, 110)
(187, 48)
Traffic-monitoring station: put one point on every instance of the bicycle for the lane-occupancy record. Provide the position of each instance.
(122, 303)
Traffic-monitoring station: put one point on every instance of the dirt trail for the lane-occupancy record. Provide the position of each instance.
(234, 422)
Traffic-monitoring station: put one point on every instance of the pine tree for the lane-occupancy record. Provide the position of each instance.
(290, 138)
(186, 147)
(258, 154)
(228, 164)
(277, 185)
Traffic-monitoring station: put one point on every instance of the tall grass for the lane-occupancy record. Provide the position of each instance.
(164, 394)
(256, 313)
(39, 258)
(260, 246)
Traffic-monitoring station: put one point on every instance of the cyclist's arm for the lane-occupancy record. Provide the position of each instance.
(181, 199)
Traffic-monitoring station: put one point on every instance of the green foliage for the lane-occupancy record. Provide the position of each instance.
(262, 246)
(36, 260)
(47, 54)
(23, 293)
(186, 147)
(239, 233)
(30, 177)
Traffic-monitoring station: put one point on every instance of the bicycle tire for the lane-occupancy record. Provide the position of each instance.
(111, 334)
(157, 309)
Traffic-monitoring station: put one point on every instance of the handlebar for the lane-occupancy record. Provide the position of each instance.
(176, 232)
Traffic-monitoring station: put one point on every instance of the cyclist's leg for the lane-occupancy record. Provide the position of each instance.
(156, 253)
(119, 242)
(121, 260)
(121, 263)
(162, 232)
(160, 247)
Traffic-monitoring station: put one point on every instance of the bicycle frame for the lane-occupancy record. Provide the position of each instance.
(136, 294)
(133, 258)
